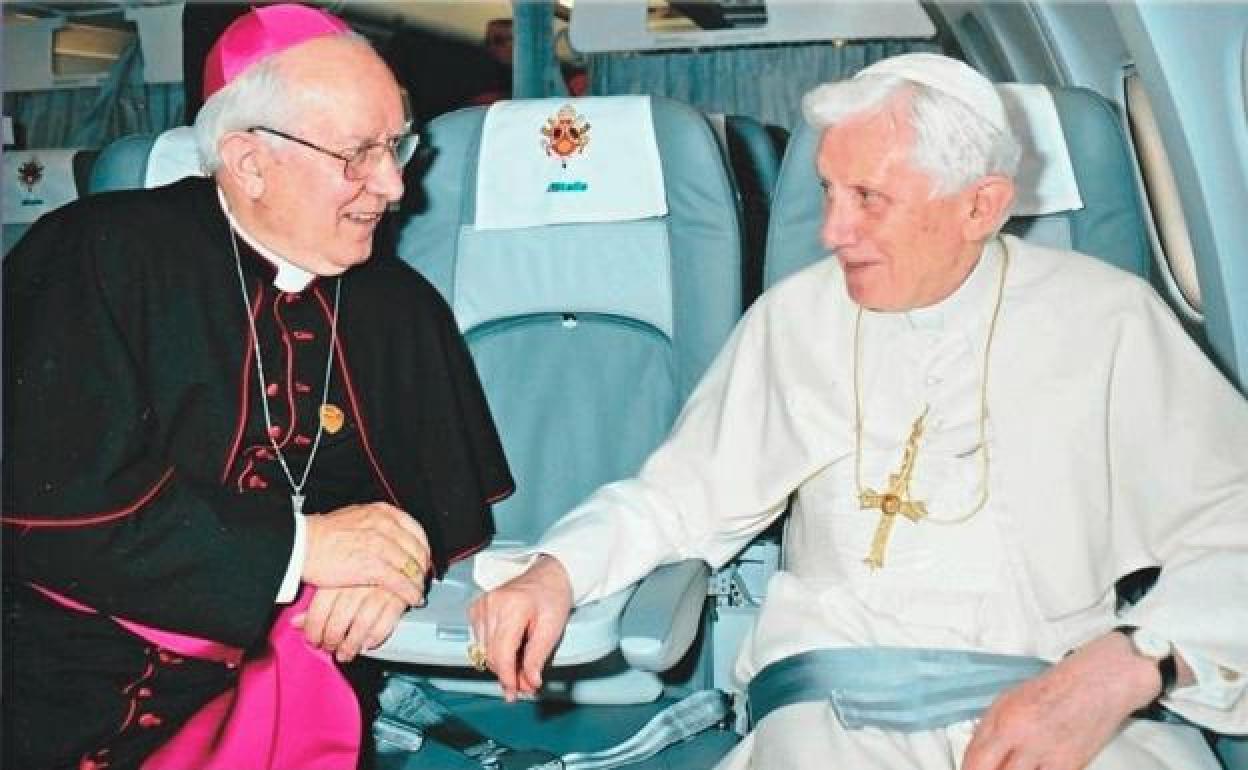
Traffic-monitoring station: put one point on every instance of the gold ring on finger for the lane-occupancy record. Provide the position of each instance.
(477, 657)
(414, 571)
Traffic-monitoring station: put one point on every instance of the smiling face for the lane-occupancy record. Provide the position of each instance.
(299, 202)
(900, 246)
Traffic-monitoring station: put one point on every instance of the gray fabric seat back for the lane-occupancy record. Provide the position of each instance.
(588, 336)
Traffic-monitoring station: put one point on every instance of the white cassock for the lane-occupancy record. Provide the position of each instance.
(1113, 445)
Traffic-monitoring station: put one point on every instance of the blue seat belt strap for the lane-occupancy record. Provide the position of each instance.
(411, 713)
(681, 721)
(892, 688)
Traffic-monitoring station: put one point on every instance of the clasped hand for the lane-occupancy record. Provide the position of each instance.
(348, 621)
(360, 558)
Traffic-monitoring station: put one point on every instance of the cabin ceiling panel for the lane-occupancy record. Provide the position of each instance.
(600, 26)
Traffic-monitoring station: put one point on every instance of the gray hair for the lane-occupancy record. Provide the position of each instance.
(953, 144)
(261, 96)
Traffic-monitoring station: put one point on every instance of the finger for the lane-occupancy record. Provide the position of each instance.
(342, 617)
(318, 614)
(394, 581)
(985, 752)
(1017, 760)
(387, 620)
(502, 649)
(411, 527)
(543, 636)
(395, 557)
(478, 611)
(525, 684)
(404, 531)
(361, 625)
(385, 564)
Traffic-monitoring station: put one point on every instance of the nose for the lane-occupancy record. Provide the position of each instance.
(840, 225)
(387, 178)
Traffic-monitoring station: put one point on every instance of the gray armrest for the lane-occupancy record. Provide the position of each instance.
(662, 618)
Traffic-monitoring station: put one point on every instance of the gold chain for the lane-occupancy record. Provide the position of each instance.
(983, 401)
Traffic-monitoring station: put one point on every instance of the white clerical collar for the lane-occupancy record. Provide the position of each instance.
(290, 278)
(967, 301)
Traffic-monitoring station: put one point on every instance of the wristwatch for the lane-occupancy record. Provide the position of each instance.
(1156, 648)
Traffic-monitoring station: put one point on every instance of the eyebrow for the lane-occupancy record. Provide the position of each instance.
(355, 140)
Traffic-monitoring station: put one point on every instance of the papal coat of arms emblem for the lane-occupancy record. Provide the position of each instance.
(30, 174)
(566, 133)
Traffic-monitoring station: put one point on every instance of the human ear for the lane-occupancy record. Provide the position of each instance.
(989, 205)
(242, 160)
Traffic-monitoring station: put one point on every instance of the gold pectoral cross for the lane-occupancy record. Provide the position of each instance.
(894, 500)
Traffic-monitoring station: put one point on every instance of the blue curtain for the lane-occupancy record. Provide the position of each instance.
(535, 68)
(92, 117)
(765, 82)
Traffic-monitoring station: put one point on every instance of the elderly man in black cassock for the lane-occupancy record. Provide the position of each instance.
(237, 441)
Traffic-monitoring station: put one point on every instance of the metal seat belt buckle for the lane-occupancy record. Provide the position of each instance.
(523, 759)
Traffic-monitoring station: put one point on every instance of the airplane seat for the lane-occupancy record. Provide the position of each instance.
(590, 250)
(1111, 223)
(38, 181)
(754, 151)
(146, 160)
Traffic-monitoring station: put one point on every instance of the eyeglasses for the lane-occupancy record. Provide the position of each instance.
(360, 162)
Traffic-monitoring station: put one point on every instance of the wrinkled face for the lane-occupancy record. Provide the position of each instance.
(900, 246)
(309, 211)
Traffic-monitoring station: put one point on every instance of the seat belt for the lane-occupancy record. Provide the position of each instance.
(412, 714)
(899, 689)
(678, 722)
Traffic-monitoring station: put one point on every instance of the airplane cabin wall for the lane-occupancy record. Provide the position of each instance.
(1193, 61)
(1004, 40)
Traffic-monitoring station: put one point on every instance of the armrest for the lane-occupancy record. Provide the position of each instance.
(437, 634)
(662, 618)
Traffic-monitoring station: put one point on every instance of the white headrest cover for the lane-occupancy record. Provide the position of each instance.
(37, 181)
(174, 156)
(1045, 183)
(563, 161)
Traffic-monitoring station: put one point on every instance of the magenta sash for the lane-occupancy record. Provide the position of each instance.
(291, 710)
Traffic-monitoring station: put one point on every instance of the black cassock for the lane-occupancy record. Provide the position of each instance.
(138, 476)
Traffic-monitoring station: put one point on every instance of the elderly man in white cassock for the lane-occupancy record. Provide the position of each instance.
(978, 437)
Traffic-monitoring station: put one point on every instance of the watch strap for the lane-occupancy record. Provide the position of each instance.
(1167, 667)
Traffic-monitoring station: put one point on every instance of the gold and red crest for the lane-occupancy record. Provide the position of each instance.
(566, 133)
(30, 173)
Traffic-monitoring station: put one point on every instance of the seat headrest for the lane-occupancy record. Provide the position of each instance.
(1045, 183)
(174, 156)
(563, 161)
(1076, 186)
(146, 160)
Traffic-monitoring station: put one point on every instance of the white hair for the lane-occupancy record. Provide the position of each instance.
(261, 96)
(953, 144)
